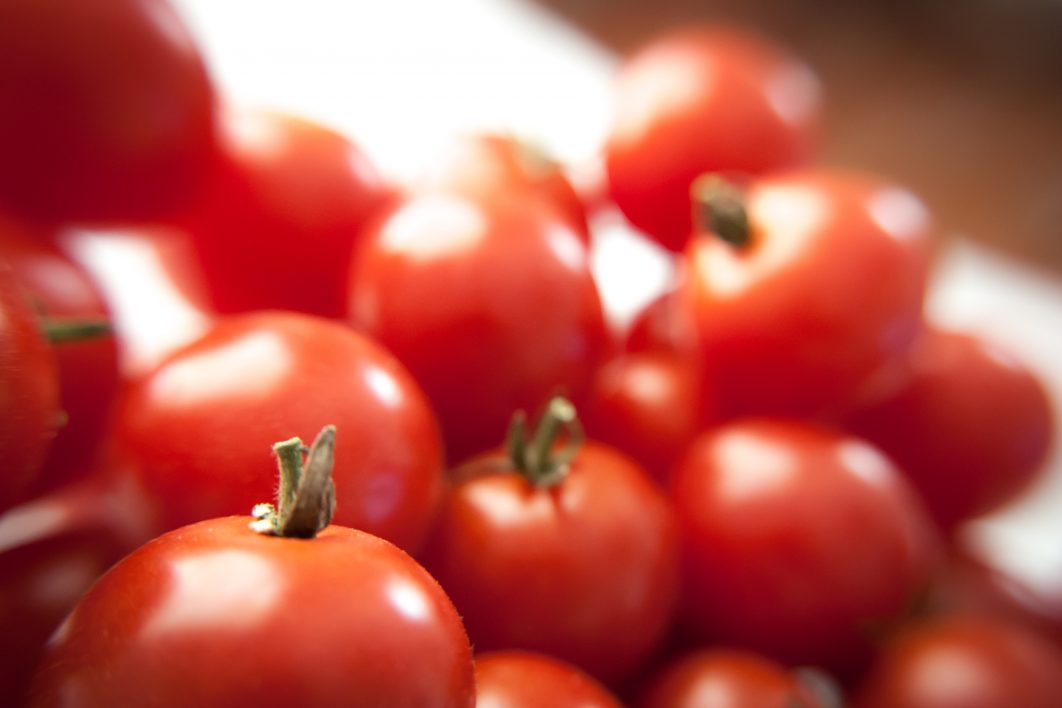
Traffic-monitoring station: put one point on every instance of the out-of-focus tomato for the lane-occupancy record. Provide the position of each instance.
(490, 303)
(964, 662)
(821, 302)
(662, 325)
(281, 214)
(971, 427)
(521, 679)
(703, 100)
(194, 428)
(800, 542)
(108, 110)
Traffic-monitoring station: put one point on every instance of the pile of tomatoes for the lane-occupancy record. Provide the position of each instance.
(750, 496)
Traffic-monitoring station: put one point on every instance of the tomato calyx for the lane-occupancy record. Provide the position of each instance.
(719, 207)
(535, 458)
(306, 498)
(61, 330)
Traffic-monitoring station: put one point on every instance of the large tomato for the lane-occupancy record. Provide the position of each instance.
(522, 679)
(108, 109)
(194, 428)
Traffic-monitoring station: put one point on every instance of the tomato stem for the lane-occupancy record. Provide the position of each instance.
(719, 207)
(58, 331)
(536, 459)
(306, 497)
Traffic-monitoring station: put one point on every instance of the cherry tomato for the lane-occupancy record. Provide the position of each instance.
(194, 428)
(29, 392)
(964, 662)
(800, 542)
(971, 427)
(726, 678)
(281, 214)
(489, 302)
(703, 100)
(520, 679)
(214, 614)
(576, 559)
(108, 110)
(822, 301)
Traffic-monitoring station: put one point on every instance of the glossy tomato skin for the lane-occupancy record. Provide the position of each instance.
(29, 392)
(820, 307)
(109, 110)
(521, 679)
(971, 427)
(585, 570)
(490, 303)
(214, 614)
(280, 215)
(964, 662)
(799, 542)
(198, 429)
(703, 100)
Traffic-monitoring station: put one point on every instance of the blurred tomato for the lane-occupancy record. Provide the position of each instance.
(520, 679)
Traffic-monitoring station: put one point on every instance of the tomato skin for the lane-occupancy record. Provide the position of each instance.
(703, 100)
(490, 303)
(520, 679)
(198, 429)
(799, 541)
(214, 614)
(820, 307)
(281, 213)
(971, 427)
(109, 110)
(585, 570)
(964, 662)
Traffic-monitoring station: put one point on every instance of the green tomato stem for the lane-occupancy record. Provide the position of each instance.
(537, 459)
(719, 207)
(306, 496)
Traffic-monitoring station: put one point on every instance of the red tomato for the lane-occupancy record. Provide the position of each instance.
(662, 325)
(725, 678)
(88, 368)
(703, 100)
(281, 214)
(820, 304)
(800, 542)
(520, 679)
(489, 302)
(214, 614)
(971, 427)
(195, 428)
(964, 662)
(108, 109)
(581, 564)
(29, 392)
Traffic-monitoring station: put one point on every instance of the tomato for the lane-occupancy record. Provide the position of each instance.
(29, 392)
(800, 542)
(576, 559)
(964, 662)
(215, 614)
(108, 110)
(821, 303)
(662, 325)
(490, 303)
(488, 164)
(281, 213)
(194, 428)
(971, 427)
(703, 100)
(520, 679)
(727, 678)
(64, 293)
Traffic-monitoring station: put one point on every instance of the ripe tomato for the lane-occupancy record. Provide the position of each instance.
(800, 542)
(662, 325)
(29, 392)
(820, 304)
(576, 559)
(214, 614)
(108, 109)
(703, 100)
(521, 679)
(971, 427)
(281, 214)
(489, 302)
(964, 662)
(195, 428)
